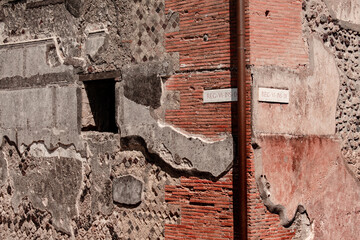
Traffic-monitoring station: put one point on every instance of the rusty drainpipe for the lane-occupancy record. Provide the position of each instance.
(241, 110)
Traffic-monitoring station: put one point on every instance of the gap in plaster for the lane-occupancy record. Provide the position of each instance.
(98, 106)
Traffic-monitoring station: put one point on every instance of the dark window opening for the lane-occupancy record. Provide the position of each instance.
(98, 106)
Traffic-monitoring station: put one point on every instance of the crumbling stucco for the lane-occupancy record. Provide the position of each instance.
(265, 194)
(50, 183)
(310, 171)
(307, 147)
(346, 10)
(313, 96)
(177, 149)
(60, 193)
(343, 42)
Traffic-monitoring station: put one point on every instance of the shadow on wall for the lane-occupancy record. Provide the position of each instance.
(234, 120)
(101, 95)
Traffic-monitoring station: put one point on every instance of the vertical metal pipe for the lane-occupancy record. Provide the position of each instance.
(241, 110)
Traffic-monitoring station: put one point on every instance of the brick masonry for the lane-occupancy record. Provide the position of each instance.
(206, 209)
(206, 44)
(194, 116)
(204, 27)
(275, 33)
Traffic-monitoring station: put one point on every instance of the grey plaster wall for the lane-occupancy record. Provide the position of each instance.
(179, 150)
(41, 114)
(29, 58)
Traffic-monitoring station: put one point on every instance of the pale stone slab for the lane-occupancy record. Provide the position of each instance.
(28, 58)
(274, 95)
(39, 114)
(127, 190)
(220, 95)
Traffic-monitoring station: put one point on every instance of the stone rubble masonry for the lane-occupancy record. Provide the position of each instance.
(56, 181)
(41, 118)
(342, 40)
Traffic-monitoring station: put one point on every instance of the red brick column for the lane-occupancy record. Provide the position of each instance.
(206, 46)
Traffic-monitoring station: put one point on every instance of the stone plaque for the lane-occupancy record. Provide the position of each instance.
(220, 95)
(274, 95)
(127, 190)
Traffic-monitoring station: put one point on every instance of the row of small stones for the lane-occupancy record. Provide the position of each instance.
(345, 46)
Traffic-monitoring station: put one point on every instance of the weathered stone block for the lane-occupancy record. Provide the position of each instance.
(29, 58)
(143, 81)
(94, 42)
(74, 7)
(142, 85)
(127, 190)
(48, 114)
(3, 169)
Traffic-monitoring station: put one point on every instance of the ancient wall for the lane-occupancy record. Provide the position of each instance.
(104, 133)
(306, 150)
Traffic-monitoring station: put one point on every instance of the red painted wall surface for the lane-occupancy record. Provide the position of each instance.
(274, 38)
(311, 171)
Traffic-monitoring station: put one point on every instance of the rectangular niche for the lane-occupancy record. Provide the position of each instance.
(98, 106)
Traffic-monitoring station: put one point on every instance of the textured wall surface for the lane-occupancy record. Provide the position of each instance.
(343, 43)
(306, 151)
(166, 167)
(313, 96)
(347, 10)
(275, 34)
(68, 171)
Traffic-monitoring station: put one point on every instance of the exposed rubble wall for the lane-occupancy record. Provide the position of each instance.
(87, 151)
(343, 42)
